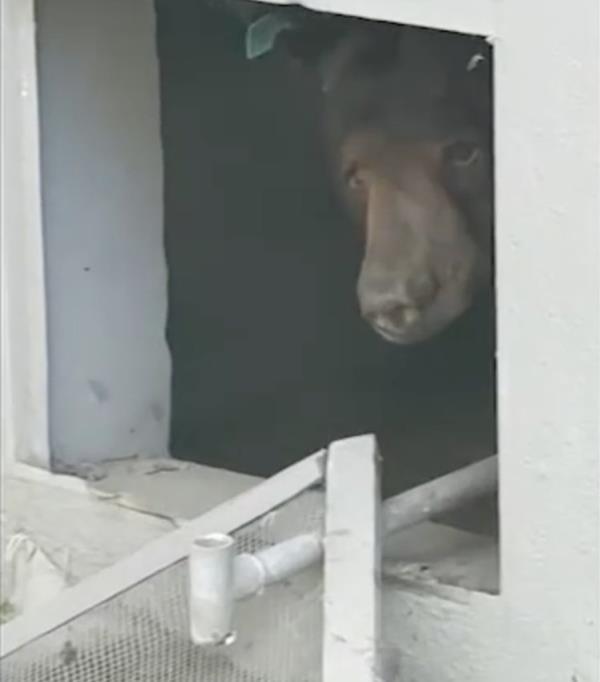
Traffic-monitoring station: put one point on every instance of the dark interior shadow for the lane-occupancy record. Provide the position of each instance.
(271, 360)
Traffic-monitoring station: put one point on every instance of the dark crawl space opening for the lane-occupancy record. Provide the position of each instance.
(271, 359)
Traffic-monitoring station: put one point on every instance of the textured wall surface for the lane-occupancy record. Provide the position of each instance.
(109, 365)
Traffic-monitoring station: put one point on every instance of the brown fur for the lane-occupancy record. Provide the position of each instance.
(408, 117)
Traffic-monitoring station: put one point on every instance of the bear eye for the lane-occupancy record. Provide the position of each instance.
(462, 153)
(352, 178)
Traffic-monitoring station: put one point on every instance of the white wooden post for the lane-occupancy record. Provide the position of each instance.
(351, 573)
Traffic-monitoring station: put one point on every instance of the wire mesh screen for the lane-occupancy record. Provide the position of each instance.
(141, 635)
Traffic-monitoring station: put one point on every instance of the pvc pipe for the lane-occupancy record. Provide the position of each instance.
(217, 578)
(441, 495)
(253, 572)
(211, 589)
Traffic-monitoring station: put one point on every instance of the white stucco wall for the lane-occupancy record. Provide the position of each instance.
(109, 368)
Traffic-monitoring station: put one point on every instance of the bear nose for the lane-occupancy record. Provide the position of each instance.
(397, 317)
(393, 303)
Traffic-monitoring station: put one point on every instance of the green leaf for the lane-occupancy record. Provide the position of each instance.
(262, 33)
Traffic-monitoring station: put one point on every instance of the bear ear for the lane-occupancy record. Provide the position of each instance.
(333, 63)
(367, 50)
(424, 59)
(473, 69)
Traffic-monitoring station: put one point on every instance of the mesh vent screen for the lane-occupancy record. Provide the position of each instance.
(141, 635)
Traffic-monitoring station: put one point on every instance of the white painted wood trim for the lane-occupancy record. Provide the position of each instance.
(162, 553)
(475, 17)
(24, 404)
(352, 562)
